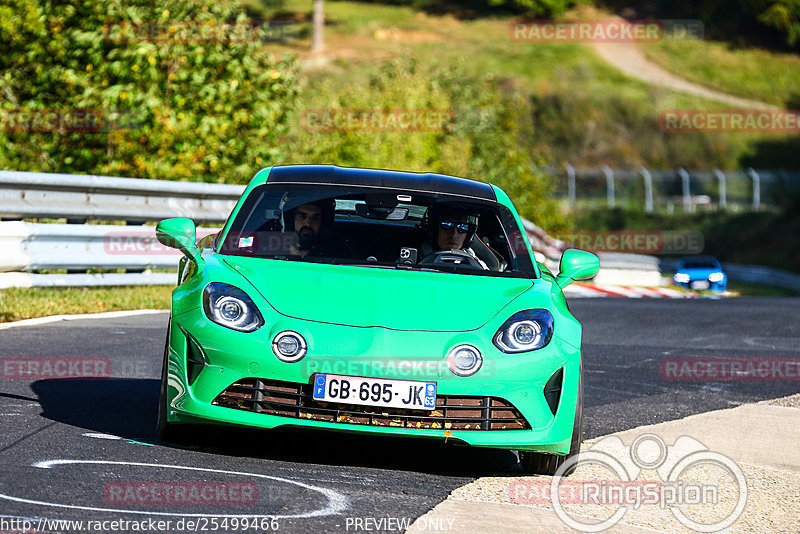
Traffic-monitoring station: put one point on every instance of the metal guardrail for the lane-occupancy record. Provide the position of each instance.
(82, 247)
(80, 197)
(26, 247)
(78, 280)
(33, 246)
(615, 268)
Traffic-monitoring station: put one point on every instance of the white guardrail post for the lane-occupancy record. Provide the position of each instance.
(685, 190)
(723, 194)
(648, 189)
(571, 184)
(610, 193)
(756, 188)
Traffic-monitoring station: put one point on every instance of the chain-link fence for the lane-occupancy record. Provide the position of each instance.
(675, 190)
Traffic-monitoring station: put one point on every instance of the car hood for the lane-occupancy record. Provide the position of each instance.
(368, 296)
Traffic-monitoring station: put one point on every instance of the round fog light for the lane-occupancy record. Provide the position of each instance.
(289, 346)
(464, 360)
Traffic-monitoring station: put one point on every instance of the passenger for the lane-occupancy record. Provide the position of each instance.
(451, 228)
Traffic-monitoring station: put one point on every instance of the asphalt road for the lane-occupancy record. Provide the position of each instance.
(103, 430)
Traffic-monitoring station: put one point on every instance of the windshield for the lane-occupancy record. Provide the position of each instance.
(380, 228)
(699, 264)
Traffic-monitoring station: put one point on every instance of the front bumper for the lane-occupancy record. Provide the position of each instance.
(712, 286)
(226, 357)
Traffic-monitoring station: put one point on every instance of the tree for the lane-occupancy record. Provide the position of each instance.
(783, 15)
(317, 41)
(183, 88)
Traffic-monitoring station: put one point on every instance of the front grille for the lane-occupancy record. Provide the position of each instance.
(290, 399)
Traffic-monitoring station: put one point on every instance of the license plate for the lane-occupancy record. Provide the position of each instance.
(408, 394)
(701, 284)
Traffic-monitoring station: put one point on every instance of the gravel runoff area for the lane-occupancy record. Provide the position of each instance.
(749, 435)
(771, 499)
(792, 401)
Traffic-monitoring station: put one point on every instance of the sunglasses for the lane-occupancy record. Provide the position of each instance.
(461, 228)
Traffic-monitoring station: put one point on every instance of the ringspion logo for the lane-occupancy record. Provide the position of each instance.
(706, 491)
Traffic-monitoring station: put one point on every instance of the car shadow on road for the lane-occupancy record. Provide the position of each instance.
(127, 408)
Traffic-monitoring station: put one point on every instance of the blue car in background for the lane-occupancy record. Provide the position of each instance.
(701, 272)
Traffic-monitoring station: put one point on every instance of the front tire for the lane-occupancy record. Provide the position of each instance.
(539, 463)
(167, 432)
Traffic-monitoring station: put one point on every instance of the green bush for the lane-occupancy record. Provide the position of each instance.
(483, 139)
(784, 16)
(542, 8)
(183, 106)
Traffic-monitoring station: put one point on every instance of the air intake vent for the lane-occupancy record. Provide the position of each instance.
(290, 399)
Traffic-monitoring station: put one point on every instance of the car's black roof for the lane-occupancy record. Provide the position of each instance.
(406, 181)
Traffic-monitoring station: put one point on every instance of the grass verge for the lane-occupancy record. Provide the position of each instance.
(749, 73)
(766, 238)
(580, 109)
(744, 289)
(25, 303)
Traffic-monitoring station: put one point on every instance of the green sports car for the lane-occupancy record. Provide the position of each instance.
(379, 302)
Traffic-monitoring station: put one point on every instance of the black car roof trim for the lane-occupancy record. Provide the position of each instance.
(381, 179)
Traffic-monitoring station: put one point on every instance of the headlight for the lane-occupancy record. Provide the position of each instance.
(524, 331)
(681, 278)
(229, 306)
(716, 277)
(289, 346)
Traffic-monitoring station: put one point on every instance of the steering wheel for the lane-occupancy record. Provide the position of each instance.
(451, 257)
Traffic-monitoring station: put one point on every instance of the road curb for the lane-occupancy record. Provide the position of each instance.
(37, 321)
(632, 292)
(767, 454)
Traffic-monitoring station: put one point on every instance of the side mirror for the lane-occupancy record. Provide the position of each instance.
(576, 265)
(179, 233)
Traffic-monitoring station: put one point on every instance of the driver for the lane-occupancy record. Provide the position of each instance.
(312, 224)
(451, 228)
